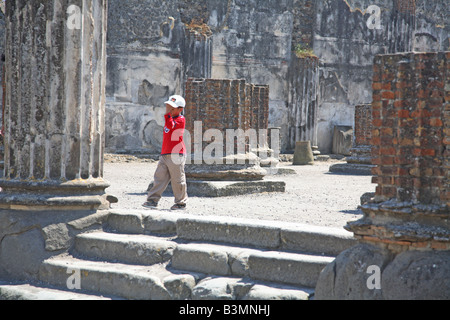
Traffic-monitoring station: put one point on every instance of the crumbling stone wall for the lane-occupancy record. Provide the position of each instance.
(303, 24)
(432, 30)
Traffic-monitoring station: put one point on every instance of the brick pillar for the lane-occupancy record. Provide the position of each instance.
(405, 231)
(223, 104)
(410, 130)
(362, 148)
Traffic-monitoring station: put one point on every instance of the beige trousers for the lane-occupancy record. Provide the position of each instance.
(170, 169)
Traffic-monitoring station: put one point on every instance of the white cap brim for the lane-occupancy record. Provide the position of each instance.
(171, 103)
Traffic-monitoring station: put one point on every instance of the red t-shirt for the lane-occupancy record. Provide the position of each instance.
(173, 135)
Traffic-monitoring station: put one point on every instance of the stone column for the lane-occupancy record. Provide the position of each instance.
(53, 186)
(54, 113)
(404, 236)
(303, 101)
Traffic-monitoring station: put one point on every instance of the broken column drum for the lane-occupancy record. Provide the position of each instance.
(54, 104)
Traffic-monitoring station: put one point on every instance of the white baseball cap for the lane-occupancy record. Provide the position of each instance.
(176, 101)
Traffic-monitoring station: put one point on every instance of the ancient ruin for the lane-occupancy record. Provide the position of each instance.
(360, 159)
(82, 78)
(404, 232)
(53, 184)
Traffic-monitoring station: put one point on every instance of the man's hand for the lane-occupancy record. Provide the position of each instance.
(169, 109)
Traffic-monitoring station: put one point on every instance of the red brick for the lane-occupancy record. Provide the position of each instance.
(436, 122)
(377, 86)
(388, 151)
(388, 95)
(403, 114)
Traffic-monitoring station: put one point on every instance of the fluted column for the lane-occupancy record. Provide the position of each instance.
(54, 106)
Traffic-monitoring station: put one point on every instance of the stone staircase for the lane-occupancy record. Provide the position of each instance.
(163, 255)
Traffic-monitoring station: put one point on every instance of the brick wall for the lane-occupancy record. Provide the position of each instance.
(259, 106)
(226, 104)
(411, 127)
(363, 125)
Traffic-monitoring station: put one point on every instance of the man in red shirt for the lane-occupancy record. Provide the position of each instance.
(173, 157)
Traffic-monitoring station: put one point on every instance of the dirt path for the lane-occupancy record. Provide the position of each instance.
(313, 196)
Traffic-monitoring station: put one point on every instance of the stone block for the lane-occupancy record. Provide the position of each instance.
(220, 229)
(215, 289)
(160, 223)
(303, 153)
(130, 282)
(328, 241)
(417, 275)
(342, 140)
(287, 268)
(125, 222)
(262, 292)
(179, 286)
(133, 249)
(233, 188)
(346, 277)
(21, 254)
(352, 168)
(201, 258)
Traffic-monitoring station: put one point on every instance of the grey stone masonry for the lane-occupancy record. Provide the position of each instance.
(53, 186)
(55, 96)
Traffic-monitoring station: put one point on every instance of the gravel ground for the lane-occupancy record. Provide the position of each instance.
(313, 195)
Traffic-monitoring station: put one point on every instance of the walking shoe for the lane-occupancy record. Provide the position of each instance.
(151, 204)
(178, 207)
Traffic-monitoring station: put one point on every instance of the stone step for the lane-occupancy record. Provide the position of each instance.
(247, 232)
(12, 291)
(274, 266)
(127, 281)
(207, 258)
(157, 282)
(131, 249)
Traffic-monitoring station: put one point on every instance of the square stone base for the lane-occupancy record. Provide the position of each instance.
(212, 189)
(352, 168)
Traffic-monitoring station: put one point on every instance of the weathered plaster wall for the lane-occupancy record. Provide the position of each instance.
(346, 47)
(151, 54)
(432, 30)
(253, 42)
